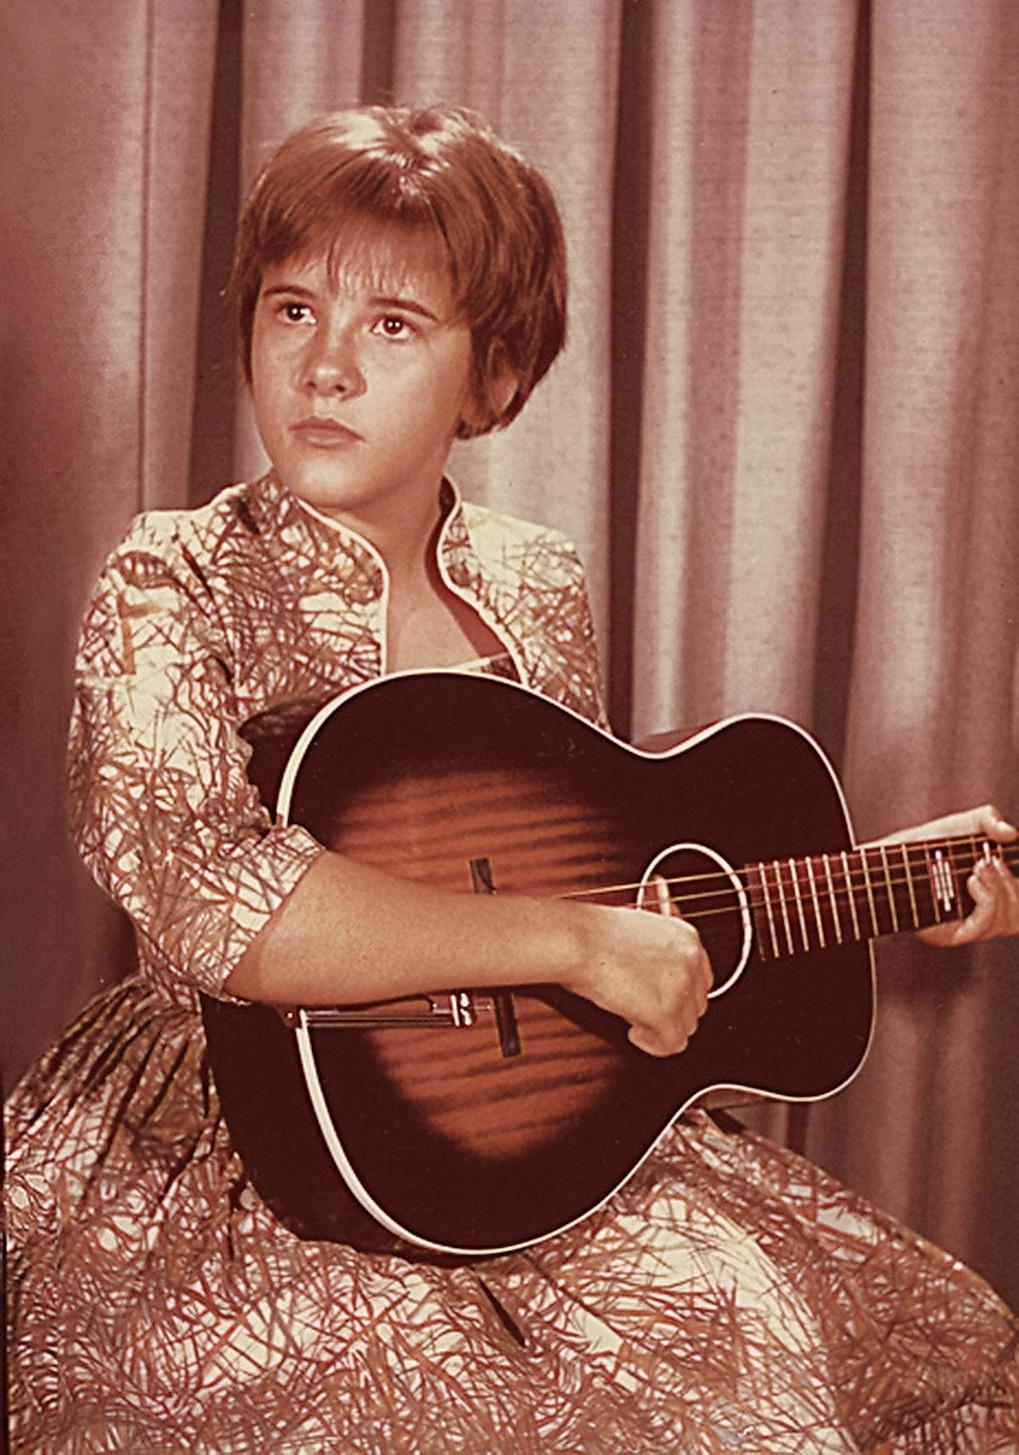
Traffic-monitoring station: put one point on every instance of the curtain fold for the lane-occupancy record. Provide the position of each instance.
(940, 522)
(105, 171)
(783, 432)
(746, 228)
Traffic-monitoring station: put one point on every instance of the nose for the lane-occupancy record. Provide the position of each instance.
(331, 366)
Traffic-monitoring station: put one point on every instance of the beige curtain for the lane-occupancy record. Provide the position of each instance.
(783, 434)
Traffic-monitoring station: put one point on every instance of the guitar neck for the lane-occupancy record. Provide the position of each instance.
(804, 905)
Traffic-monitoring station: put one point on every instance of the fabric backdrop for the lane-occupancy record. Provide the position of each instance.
(783, 434)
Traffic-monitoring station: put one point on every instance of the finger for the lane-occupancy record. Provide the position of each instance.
(663, 1040)
(699, 975)
(693, 1005)
(702, 979)
(994, 823)
(707, 977)
(1009, 882)
(989, 916)
(652, 1042)
(1002, 890)
(980, 920)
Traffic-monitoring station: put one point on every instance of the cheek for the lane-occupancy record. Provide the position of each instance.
(259, 395)
(268, 379)
(270, 419)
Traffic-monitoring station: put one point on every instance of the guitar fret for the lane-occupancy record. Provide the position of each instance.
(850, 895)
(984, 850)
(766, 898)
(817, 906)
(865, 866)
(909, 886)
(783, 906)
(834, 901)
(799, 903)
(891, 892)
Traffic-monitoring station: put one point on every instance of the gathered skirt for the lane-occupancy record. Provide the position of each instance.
(732, 1297)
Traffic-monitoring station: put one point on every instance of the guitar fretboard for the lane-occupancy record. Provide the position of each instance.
(803, 905)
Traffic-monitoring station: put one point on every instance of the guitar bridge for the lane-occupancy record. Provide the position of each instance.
(455, 1009)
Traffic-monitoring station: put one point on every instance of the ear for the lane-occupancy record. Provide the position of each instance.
(491, 399)
(502, 385)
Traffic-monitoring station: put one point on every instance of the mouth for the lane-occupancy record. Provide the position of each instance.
(323, 433)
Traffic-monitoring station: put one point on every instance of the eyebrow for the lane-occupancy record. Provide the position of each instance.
(408, 305)
(376, 300)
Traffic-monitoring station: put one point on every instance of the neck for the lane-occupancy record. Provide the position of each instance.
(404, 538)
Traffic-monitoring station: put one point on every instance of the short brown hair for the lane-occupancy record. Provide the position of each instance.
(441, 168)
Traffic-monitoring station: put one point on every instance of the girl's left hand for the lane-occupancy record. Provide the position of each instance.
(994, 888)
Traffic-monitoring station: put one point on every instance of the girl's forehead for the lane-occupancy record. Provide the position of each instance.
(387, 258)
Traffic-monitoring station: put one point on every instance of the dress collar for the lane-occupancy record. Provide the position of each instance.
(311, 532)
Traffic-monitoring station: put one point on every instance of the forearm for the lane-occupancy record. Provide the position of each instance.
(352, 933)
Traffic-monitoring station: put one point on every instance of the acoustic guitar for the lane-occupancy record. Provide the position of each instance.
(454, 1126)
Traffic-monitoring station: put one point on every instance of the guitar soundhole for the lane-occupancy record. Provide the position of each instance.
(695, 882)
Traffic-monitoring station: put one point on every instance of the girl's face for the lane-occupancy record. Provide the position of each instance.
(361, 376)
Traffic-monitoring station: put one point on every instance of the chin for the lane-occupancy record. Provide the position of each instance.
(349, 503)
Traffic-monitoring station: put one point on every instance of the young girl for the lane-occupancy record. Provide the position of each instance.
(400, 281)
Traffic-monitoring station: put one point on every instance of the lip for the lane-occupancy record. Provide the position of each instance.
(323, 433)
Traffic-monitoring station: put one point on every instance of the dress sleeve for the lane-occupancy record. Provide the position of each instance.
(161, 806)
(589, 671)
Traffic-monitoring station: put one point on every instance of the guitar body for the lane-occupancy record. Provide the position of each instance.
(431, 1137)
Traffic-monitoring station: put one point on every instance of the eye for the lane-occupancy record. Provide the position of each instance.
(292, 311)
(393, 326)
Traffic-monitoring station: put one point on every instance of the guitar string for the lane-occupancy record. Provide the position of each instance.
(1009, 853)
(755, 898)
(850, 887)
(850, 933)
(852, 884)
(754, 902)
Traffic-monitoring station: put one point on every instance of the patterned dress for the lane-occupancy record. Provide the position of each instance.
(730, 1298)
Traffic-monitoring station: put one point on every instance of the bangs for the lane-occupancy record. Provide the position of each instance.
(379, 255)
(322, 211)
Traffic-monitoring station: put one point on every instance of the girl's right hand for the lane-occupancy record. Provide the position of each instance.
(652, 970)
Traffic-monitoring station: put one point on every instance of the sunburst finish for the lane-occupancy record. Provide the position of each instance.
(464, 1149)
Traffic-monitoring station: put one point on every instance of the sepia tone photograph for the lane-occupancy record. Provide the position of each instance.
(511, 677)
